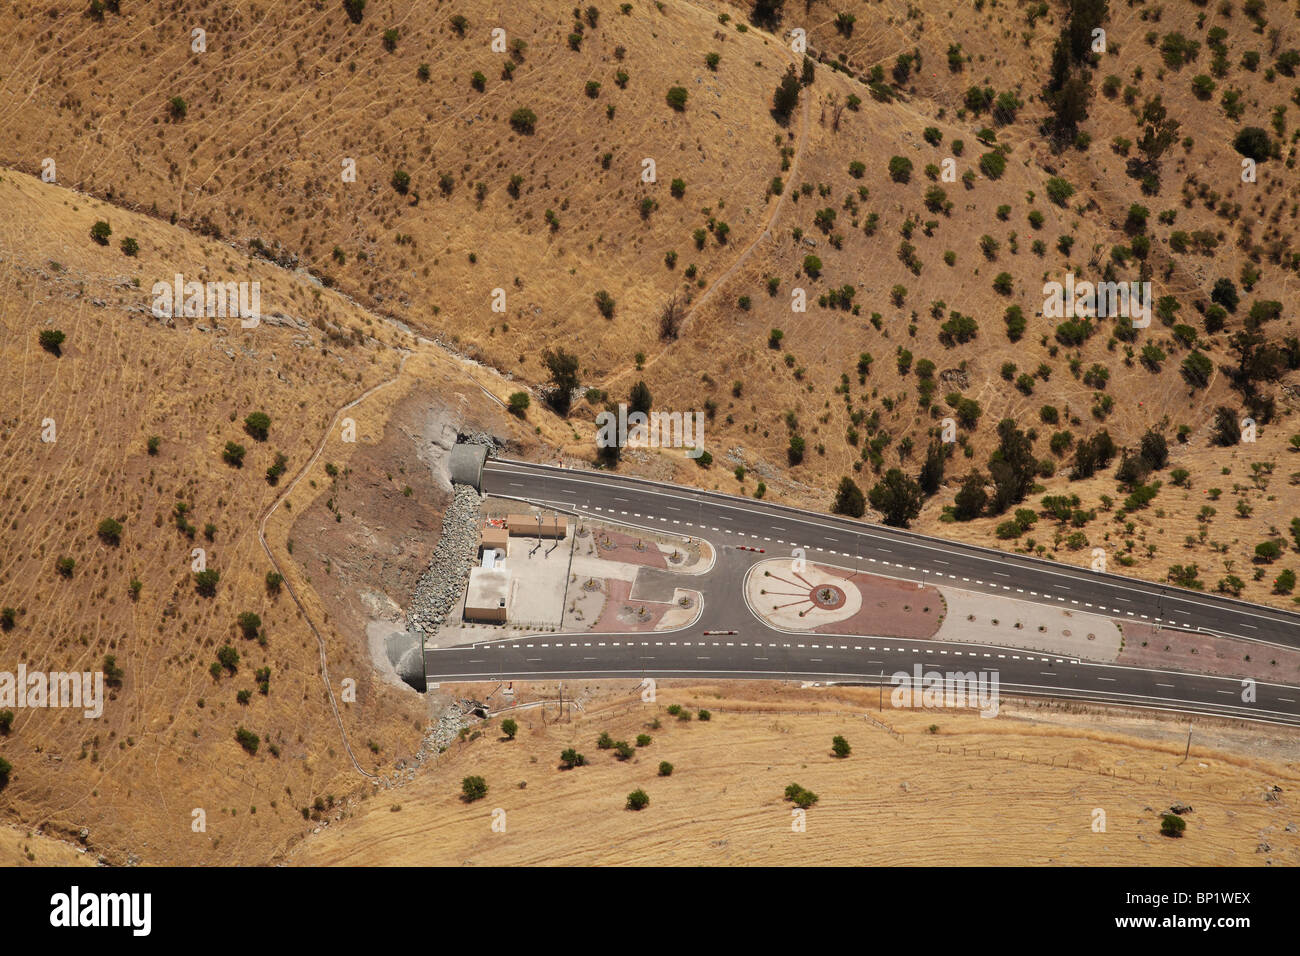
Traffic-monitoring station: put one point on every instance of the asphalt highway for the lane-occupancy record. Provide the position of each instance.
(759, 651)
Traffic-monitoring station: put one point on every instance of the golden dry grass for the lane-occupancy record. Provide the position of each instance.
(20, 847)
(972, 794)
(286, 92)
(165, 745)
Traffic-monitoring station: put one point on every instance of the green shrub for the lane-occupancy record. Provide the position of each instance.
(1059, 191)
(249, 623)
(1172, 825)
(993, 164)
(248, 740)
(110, 531)
(257, 425)
(523, 121)
(355, 9)
(205, 582)
(900, 169)
(473, 788)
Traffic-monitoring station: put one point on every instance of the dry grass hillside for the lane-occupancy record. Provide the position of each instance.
(554, 212)
(429, 206)
(166, 743)
(1022, 789)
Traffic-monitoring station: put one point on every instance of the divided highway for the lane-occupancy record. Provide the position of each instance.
(761, 652)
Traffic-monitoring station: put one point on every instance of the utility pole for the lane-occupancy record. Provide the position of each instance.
(1188, 749)
(880, 707)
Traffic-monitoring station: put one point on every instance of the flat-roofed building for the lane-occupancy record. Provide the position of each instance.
(495, 539)
(488, 595)
(551, 526)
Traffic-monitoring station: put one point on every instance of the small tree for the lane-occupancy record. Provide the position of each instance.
(670, 319)
(401, 181)
(205, 582)
(257, 425)
(6, 722)
(519, 402)
(564, 377)
(523, 121)
(228, 658)
(638, 800)
(110, 531)
(1172, 825)
(665, 769)
(841, 747)
(355, 9)
(849, 500)
(509, 727)
(570, 758)
(233, 454)
(473, 788)
(786, 97)
(676, 97)
(623, 750)
(898, 497)
(65, 565)
(643, 740)
(248, 740)
(52, 341)
(130, 247)
(249, 623)
(799, 796)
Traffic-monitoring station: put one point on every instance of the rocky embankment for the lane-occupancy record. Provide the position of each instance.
(440, 587)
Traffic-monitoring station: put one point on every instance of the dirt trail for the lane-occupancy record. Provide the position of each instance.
(288, 586)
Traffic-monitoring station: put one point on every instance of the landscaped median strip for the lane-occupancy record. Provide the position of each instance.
(888, 564)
